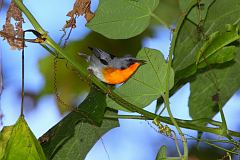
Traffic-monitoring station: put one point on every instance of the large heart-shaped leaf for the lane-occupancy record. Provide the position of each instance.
(217, 41)
(74, 136)
(223, 55)
(122, 19)
(79, 130)
(18, 142)
(211, 86)
(208, 37)
(148, 83)
(4, 138)
(94, 106)
(188, 41)
(215, 50)
(210, 41)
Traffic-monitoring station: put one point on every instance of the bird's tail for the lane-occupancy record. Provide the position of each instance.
(85, 56)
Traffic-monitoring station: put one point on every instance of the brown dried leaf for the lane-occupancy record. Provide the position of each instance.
(81, 7)
(11, 30)
(89, 15)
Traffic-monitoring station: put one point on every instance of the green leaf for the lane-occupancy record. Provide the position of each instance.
(189, 38)
(94, 106)
(217, 41)
(122, 19)
(162, 154)
(187, 44)
(223, 55)
(194, 36)
(4, 138)
(148, 83)
(167, 10)
(218, 83)
(184, 4)
(21, 143)
(205, 46)
(216, 20)
(91, 110)
(74, 136)
(213, 51)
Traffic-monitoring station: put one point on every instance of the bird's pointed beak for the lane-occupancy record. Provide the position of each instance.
(142, 62)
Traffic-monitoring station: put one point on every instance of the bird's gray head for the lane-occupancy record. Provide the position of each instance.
(103, 59)
(123, 62)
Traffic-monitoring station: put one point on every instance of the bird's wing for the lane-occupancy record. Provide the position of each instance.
(101, 54)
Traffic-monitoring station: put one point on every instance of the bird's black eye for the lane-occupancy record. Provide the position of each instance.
(123, 67)
(103, 61)
(131, 61)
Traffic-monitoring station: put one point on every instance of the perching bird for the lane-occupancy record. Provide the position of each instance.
(111, 69)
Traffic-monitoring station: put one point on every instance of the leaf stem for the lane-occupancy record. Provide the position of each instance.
(224, 123)
(126, 117)
(177, 145)
(212, 144)
(160, 20)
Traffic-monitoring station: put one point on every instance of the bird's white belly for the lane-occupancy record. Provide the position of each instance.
(97, 72)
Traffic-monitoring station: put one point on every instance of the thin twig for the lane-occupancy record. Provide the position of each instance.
(7, 36)
(105, 148)
(68, 36)
(22, 102)
(63, 35)
(209, 142)
(176, 142)
(160, 20)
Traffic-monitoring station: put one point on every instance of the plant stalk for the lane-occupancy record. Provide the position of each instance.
(166, 99)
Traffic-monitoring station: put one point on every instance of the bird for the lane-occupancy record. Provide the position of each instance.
(111, 69)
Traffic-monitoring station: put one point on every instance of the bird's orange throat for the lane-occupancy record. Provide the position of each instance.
(116, 76)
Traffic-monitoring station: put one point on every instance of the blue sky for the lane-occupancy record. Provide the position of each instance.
(134, 139)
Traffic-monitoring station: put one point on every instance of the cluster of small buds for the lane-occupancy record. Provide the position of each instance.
(163, 129)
